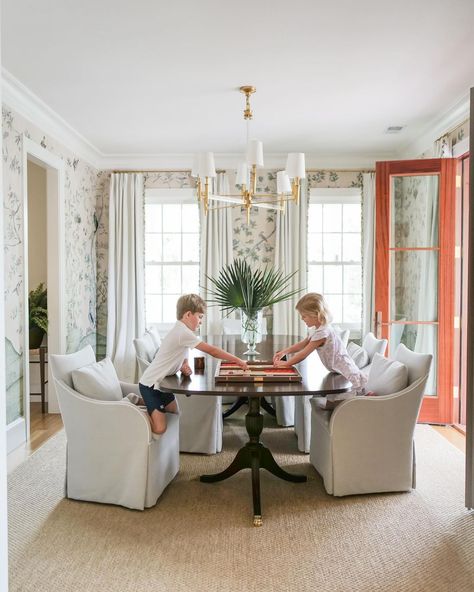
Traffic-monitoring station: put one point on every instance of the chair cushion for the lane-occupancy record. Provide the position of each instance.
(98, 381)
(155, 336)
(358, 354)
(145, 347)
(386, 376)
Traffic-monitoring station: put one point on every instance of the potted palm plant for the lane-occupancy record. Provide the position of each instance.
(239, 287)
(38, 315)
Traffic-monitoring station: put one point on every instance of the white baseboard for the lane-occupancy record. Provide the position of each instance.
(16, 434)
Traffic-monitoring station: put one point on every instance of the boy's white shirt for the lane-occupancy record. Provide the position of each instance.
(174, 349)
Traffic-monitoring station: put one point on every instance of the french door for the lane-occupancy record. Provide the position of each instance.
(414, 268)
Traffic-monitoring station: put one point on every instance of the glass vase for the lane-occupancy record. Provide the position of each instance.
(251, 330)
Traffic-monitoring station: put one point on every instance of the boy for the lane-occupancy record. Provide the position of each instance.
(173, 356)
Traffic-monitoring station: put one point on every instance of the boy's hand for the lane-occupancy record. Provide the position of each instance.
(186, 369)
(243, 364)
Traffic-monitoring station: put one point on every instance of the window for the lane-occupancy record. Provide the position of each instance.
(334, 253)
(171, 251)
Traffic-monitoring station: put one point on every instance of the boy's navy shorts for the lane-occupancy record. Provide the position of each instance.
(155, 399)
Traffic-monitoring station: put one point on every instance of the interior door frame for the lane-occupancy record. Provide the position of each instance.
(435, 408)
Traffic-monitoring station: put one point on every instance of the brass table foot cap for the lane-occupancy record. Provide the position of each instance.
(257, 521)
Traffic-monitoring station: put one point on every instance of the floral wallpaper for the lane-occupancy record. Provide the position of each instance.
(83, 187)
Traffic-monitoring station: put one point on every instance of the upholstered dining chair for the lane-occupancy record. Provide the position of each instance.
(370, 346)
(112, 455)
(145, 350)
(366, 444)
(200, 422)
(294, 410)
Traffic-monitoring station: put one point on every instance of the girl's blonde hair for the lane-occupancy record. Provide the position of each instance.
(314, 304)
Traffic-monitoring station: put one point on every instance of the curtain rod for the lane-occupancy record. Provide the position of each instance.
(450, 131)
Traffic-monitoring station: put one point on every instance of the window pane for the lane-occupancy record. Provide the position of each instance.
(169, 308)
(351, 247)
(153, 309)
(190, 279)
(332, 250)
(171, 279)
(315, 247)
(153, 279)
(352, 308)
(315, 222)
(153, 247)
(352, 279)
(332, 217)
(190, 247)
(335, 307)
(152, 218)
(172, 217)
(351, 217)
(315, 278)
(332, 279)
(190, 218)
(171, 247)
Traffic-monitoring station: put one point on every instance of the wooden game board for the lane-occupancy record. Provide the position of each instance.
(258, 372)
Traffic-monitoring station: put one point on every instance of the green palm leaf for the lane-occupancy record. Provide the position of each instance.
(238, 286)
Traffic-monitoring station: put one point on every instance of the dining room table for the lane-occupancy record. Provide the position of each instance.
(254, 455)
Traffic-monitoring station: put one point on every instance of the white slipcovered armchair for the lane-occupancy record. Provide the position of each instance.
(366, 444)
(200, 422)
(112, 455)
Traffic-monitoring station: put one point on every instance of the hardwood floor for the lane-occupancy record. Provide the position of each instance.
(42, 427)
(453, 435)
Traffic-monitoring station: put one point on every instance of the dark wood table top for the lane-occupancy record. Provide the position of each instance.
(316, 380)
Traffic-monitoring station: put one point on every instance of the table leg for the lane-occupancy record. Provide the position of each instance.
(255, 456)
(268, 408)
(237, 405)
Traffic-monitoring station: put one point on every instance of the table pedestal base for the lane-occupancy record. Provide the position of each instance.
(255, 456)
(243, 401)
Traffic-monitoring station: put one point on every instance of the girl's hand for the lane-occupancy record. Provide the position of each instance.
(186, 369)
(282, 364)
(278, 356)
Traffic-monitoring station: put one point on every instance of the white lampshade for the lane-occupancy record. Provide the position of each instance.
(207, 168)
(242, 177)
(255, 152)
(195, 169)
(283, 183)
(295, 165)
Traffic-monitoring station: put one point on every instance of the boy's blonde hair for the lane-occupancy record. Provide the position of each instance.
(314, 304)
(189, 302)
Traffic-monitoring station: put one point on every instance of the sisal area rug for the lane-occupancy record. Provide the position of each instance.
(199, 537)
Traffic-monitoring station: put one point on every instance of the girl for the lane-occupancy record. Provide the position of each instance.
(323, 338)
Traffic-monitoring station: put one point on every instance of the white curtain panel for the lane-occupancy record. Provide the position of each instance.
(368, 252)
(290, 256)
(443, 147)
(216, 251)
(126, 286)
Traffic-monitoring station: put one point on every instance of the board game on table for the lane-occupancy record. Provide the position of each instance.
(258, 371)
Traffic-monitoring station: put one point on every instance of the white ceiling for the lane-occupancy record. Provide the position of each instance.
(148, 77)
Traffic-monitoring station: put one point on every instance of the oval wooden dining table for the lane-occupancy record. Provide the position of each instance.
(316, 381)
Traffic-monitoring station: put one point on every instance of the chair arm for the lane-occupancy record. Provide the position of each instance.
(109, 420)
(129, 387)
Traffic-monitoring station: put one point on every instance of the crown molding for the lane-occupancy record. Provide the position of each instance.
(438, 126)
(17, 96)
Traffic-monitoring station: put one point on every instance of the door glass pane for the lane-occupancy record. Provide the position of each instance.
(414, 211)
(414, 286)
(420, 339)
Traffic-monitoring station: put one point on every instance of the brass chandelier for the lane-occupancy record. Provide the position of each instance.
(288, 181)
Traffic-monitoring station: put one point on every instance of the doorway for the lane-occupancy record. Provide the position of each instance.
(43, 173)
